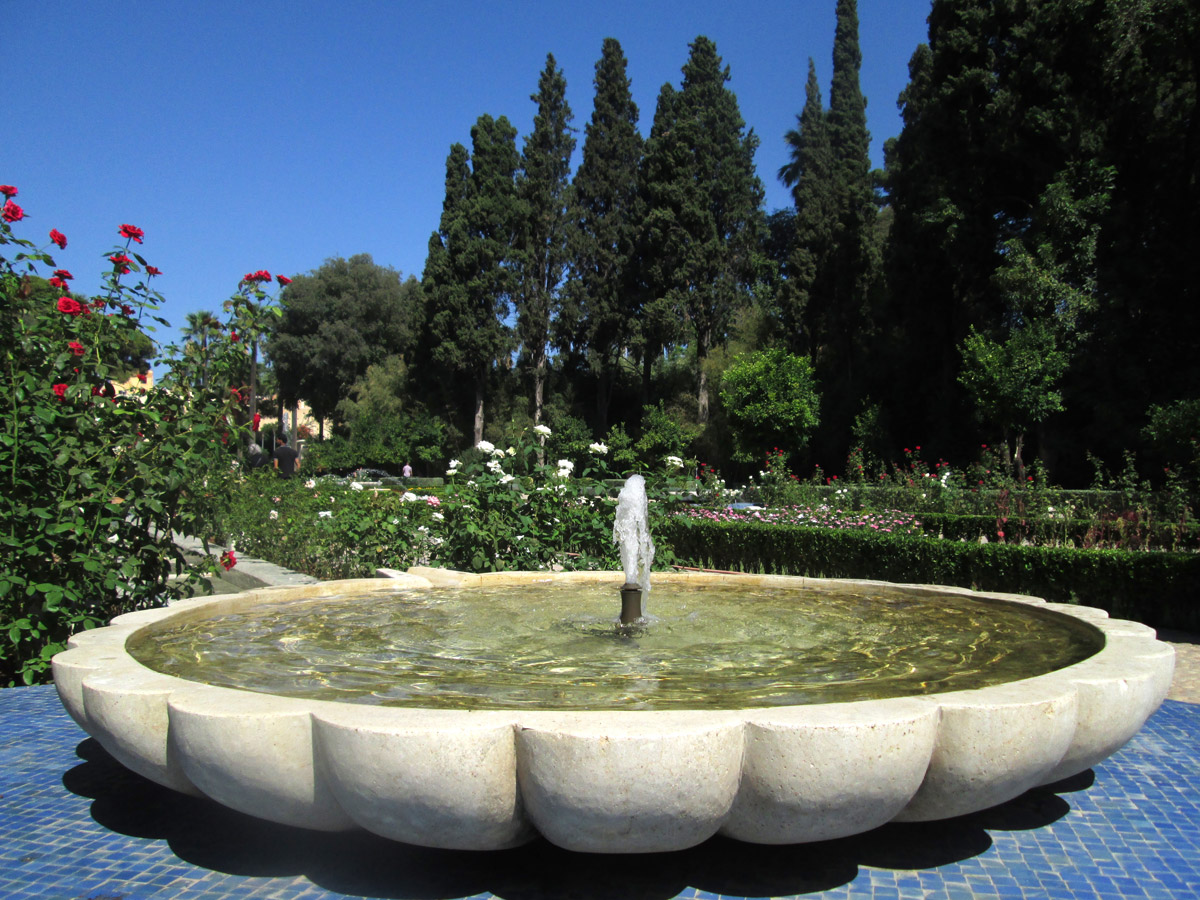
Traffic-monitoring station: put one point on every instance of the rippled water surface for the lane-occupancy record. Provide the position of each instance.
(557, 647)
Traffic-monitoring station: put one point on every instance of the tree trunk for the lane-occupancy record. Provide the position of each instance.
(702, 391)
(647, 369)
(253, 384)
(479, 385)
(604, 388)
(539, 389)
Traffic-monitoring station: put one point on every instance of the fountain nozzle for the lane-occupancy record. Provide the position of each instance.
(631, 603)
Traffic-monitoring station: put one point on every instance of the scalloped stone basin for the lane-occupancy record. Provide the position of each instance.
(599, 780)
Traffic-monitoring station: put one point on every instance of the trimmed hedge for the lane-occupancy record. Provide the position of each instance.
(1128, 533)
(1159, 589)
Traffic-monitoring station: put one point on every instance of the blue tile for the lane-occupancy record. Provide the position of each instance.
(74, 824)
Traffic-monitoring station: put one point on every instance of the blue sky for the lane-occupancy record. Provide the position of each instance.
(273, 134)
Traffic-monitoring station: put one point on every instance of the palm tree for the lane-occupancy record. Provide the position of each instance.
(201, 326)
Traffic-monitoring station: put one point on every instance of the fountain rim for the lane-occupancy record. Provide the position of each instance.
(492, 779)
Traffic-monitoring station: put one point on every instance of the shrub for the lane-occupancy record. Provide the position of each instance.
(97, 476)
(1155, 588)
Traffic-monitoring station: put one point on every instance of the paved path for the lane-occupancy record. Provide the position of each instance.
(1186, 684)
(75, 825)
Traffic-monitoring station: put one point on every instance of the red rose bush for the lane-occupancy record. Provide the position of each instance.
(98, 470)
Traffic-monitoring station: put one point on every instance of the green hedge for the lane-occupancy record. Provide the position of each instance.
(1119, 532)
(1159, 589)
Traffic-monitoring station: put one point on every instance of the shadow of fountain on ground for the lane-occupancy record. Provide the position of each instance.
(212, 837)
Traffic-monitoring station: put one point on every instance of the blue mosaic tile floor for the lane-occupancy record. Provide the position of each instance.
(75, 825)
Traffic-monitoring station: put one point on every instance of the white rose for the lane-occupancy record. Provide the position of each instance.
(310, 484)
(542, 429)
(325, 514)
(454, 464)
(498, 453)
(485, 446)
(274, 514)
(598, 448)
(494, 466)
(506, 479)
(355, 486)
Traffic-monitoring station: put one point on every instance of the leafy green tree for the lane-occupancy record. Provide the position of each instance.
(335, 322)
(388, 424)
(543, 189)
(704, 204)
(607, 217)
(770, 397)
(468, 273)
(1013, 109)
(1014, 382)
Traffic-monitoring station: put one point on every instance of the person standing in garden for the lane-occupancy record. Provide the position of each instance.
(287, 460)
(407, 470)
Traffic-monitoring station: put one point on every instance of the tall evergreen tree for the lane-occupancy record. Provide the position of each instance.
(855, 260)
(1020, 118)
(704, 204)
(607, 217)
(805, 293)
(543, 189)
(468, 275)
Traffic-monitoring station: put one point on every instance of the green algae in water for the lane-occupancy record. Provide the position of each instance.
(556, 647)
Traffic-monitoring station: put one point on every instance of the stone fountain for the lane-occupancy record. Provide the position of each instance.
(600, 779)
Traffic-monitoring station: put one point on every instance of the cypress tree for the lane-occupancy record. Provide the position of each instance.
(606, 220)
(704, 214)
(468, 276)
(543, 189)
(810, 175)
(854, 264)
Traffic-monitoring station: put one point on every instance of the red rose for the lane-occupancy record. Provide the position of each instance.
(59, 238)
(58, 283)
(8, 190)
(121, 262)
(283, 279)
(60, 391)
(63, 273)
(126, 309)
(228, 560)
(233, 336)
(141, 376)
(132, 231)
(70, 306)
(12, 212)
(76, 348)
(153, 270)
